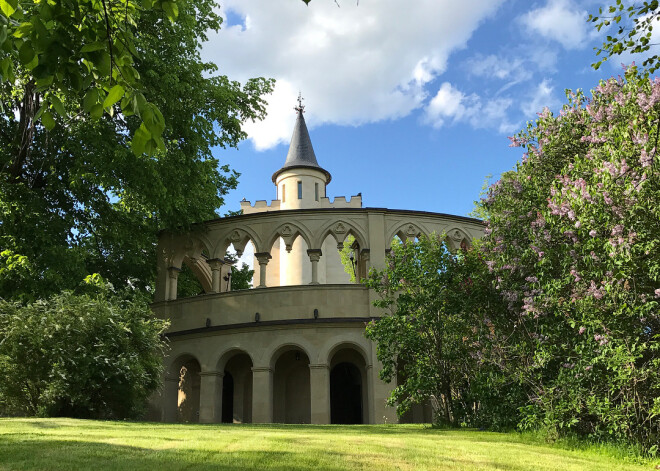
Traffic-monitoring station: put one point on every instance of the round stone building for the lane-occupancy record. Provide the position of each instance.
(291, 350)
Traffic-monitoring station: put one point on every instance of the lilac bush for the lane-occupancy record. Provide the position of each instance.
(573, 244)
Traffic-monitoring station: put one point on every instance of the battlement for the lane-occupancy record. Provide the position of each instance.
(340, 202)
(260, 206)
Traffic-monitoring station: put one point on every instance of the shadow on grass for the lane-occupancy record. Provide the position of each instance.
(82, 455)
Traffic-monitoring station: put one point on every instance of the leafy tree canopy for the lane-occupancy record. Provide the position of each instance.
(634, 29)
(434, 331)
(82, 52)
(76, 199)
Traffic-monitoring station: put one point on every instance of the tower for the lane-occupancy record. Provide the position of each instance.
(301, 182)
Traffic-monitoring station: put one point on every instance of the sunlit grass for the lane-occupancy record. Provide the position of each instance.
(68, 444)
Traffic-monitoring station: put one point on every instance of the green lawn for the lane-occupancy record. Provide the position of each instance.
(67, 444)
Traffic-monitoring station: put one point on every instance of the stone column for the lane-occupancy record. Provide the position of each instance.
(210, 397)
(364, 263)
(262, 395)
(314, 257)
(216, 272)
(319, 387)
(262, 258)
(173, 277)
(170, 399)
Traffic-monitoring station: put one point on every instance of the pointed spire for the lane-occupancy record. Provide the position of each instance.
(301, 152)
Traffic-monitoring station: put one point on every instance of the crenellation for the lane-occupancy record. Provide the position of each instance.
(341, 202)
(260, 206)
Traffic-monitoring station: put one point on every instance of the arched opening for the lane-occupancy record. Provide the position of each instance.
(227, 398)
(333, 267)
(294, 265)
(237, 390)
(188, 392)
(291, 391)
(243, 272)
(348, 387)
(345, 394)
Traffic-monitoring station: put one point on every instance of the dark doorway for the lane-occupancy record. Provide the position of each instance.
(228, 399)
(345, 394)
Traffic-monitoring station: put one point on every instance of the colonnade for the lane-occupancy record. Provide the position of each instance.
(289, 389)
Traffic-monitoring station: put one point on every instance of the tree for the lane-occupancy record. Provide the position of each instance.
(435, 329)
(635, 29)
(96, 203)
(94, 355)
(82, 52)
(241, 278)
(573, 241)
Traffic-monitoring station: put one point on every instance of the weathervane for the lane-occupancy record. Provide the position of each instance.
(300, 108)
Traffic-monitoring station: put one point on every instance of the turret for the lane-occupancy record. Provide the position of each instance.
(301, 181)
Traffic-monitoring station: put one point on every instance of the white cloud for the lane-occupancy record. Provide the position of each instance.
(355, 64)
(541, 97)
(450, 105)
(559, 20)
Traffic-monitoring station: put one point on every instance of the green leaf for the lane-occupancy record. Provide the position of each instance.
(97, 111)
(47, 120)
(171, 9)
(8, 7)
(3, 33)
(23, 30)
(26, 53)
(140, 139)
(114, 95)
(91, 99)
(95, 46)
(57, 105)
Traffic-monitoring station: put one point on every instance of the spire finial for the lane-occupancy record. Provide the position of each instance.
(300, 108)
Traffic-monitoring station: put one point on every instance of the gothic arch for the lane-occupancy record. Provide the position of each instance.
(191, 246)
(288, 231)
(339, 230)
(239, 237)
(406, 231)
(457, 238)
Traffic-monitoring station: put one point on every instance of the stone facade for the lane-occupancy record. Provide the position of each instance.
(291, 350)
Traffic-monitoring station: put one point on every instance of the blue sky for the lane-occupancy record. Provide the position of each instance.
(409, 106)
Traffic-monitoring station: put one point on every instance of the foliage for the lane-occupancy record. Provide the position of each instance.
(479, 211)
(432, 337)
(95, 355)
(634, 33)
(574, 244)
(97, 204)
(241, 278)
(82, 52)
(345, 255)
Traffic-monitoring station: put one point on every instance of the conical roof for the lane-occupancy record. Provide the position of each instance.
(301, 153)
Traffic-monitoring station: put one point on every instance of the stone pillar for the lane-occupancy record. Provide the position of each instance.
(314, 257)
(262, 258)
(262, 395)
(364, 263)
(172, 285)
(169, 399)
(319, 386)
(216, 272)
(210, 397)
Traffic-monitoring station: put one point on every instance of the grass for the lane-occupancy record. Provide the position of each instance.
(68, 444)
